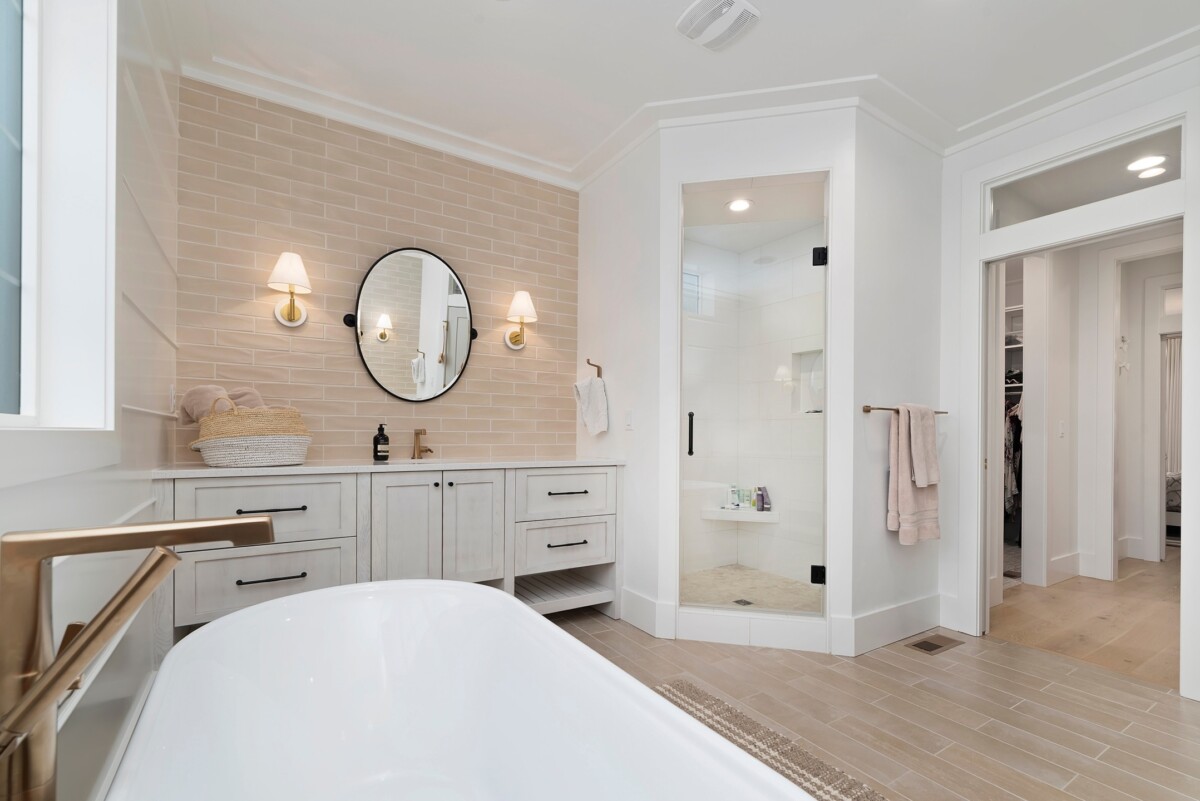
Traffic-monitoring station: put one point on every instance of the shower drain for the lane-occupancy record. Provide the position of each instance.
(743, 602)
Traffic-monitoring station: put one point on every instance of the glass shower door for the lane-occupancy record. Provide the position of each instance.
(752, 515)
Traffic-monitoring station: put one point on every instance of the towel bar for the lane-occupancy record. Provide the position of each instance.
(868, 409)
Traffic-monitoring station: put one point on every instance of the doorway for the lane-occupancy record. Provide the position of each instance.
(1083, 355)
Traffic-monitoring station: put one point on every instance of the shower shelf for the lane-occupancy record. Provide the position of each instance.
(739, 515)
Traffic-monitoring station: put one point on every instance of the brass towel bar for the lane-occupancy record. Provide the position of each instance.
(869, 409)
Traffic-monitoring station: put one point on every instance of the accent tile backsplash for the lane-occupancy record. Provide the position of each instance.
(257, 178)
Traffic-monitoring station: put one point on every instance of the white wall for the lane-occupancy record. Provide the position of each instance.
(143, 198)
(620, 328)
(1141, 323)
(1062, 398)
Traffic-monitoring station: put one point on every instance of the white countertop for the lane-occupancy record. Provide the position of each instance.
(317, 467)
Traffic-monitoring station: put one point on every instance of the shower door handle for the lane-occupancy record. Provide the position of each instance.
(691, 433)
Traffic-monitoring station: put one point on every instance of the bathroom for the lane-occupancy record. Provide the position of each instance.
(523, 340)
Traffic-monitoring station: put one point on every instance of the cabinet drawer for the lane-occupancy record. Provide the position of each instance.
(301, 507)
(554, 493)
(209, 584)
(561, 544)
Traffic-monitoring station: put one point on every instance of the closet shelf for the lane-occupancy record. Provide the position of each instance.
(739, 515)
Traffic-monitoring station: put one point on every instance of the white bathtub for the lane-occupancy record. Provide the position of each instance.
(415, 690)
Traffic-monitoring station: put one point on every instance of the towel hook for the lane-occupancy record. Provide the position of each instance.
(421, 352)
(599, 369)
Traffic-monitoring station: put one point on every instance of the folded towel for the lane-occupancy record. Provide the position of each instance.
(592, 400)
(923, 436)
(912, 510)
(418, 370)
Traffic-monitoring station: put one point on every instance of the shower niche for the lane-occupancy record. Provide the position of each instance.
(753, 379)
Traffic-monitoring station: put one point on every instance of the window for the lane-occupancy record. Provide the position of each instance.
(691, 293)
(11, 77)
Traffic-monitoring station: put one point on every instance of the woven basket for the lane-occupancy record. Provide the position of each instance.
(262, 437)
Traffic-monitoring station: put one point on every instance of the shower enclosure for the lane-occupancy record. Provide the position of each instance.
(753, 394)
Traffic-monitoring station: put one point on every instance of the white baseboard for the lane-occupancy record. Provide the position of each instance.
(656, 618)
(1062, 568)
(862, 633)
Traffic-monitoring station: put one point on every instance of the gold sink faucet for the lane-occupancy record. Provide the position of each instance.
(32, 680)
(419, 450)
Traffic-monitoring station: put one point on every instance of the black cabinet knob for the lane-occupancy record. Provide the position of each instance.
(449, 483)
(437, 483)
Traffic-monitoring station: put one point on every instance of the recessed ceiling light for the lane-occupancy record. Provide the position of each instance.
(1146, 163)
(741, 204)
(1153, 172)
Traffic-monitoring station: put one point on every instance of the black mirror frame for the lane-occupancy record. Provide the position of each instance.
(351, 320)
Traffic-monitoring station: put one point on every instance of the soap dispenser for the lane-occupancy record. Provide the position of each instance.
(381, 445)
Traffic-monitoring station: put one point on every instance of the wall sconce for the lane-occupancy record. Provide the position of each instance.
(289, 276)
(521, 311)
(384, 325)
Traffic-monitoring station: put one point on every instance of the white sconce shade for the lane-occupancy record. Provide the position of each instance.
(384, 325)
(290, 276)
(521, 311)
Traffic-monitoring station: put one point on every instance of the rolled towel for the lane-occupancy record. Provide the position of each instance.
(247, 397)
(592, 399)
(196, 402)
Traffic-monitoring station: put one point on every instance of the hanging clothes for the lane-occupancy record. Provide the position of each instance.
(1012, 459)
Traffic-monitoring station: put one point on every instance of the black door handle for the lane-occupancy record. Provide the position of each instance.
(691, 433)
(241, 583)
(303, 508)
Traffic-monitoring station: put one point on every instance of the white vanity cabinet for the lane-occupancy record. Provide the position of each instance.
(438, 525)
(548, 533)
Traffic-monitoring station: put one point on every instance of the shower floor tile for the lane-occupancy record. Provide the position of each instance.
(731, 585)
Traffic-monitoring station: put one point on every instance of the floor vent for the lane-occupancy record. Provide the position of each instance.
(934, 644)
(743, 602)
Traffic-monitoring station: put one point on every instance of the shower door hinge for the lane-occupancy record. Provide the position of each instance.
(818, 574)
(820, 257)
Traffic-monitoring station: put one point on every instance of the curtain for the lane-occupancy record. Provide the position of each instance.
(1172, 401)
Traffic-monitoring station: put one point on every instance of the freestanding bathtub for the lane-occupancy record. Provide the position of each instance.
(404, 690)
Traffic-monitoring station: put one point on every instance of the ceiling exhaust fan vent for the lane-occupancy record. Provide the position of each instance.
(716, 23)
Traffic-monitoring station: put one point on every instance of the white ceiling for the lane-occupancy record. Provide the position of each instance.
(556, 88)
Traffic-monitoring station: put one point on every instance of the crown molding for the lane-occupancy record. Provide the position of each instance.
(874, 94)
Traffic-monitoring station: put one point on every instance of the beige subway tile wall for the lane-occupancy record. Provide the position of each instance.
(257, 178)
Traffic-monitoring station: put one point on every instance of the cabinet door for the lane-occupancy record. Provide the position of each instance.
(406, 525)
(473, 525)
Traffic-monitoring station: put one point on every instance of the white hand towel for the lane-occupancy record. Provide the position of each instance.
(923, 436)
(912, 510)
(592, 400)
(418, 370)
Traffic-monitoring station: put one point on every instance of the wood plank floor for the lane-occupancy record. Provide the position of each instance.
(985, 720)
(1130, 625)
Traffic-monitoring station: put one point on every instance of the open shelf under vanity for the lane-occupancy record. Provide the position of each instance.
(561, 590)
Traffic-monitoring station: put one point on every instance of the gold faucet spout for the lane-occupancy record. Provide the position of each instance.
(32, 681)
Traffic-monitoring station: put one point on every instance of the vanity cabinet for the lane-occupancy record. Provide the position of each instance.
(547, 533)
(438, 525)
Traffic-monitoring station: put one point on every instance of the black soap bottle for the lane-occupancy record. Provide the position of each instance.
(381, 445)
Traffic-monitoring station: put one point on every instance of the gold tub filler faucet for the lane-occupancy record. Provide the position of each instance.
(32, 679)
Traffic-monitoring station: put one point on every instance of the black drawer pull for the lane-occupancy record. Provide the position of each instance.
(574, 492)
(691, 433)
(567, 544)
(241, 583)
(303, 508)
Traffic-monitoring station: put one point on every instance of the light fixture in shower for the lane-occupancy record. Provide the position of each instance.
(740, 204)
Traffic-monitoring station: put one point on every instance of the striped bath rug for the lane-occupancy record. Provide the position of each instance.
(822, 781)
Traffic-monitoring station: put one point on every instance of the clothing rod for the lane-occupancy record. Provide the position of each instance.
(869, 409)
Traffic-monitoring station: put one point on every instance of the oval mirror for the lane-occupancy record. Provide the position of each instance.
(414, 324)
